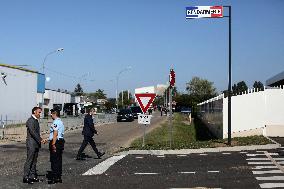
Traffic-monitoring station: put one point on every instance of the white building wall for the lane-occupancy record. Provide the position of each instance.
(19, 96)
(56, 98)
(254, 111)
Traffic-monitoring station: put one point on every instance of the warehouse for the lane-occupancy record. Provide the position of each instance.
(18, 92)
(55, 99)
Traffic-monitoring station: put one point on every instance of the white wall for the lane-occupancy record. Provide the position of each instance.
(255, 110)
(19, 96)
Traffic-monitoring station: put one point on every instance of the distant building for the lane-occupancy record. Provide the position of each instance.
(276, 81)
(159, 89)
(18, 92)
(54, 99)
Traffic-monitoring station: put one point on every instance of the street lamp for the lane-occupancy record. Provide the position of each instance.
(117, 78)
(43, 67)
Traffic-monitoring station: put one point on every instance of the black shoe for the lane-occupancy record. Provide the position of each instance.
(27, 180)
(34, 179)
(100, 155)
(58, 180)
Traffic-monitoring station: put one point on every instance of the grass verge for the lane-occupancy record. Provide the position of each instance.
(193, 136)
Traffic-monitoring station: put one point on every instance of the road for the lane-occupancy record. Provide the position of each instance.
(112, 137)
(244, 169)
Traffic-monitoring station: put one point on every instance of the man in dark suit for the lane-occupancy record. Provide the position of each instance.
(33, 143)
(88, 132)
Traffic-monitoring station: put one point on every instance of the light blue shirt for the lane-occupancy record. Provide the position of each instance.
(57, 125)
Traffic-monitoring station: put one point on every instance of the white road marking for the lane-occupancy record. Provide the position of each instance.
(253, 155)
(260, 151)
(243, 152)
(272, 185)
(265, 167)
(146, 173)
(260, 163)
(263, 159)
(203, 154)
(266, 172)
(213, 171)
(226, 153)
(139, 157)
(275, 162)
(270, 178)
(187, 172)
(103, 166)
(181, 155)
(160, 156)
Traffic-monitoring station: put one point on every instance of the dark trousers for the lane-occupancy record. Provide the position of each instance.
(56, 158)
(30, 165)
(88, 139)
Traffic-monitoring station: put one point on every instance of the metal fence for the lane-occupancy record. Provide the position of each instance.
(16, 129)
(211, 113)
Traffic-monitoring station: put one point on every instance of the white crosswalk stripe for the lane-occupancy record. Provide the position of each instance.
(264, 167)
(264, 159)
(266, 172)
(270, 178)
(272, 185)
(254, 155)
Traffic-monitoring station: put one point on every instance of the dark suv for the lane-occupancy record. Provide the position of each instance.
(136, 110)
(125, 115)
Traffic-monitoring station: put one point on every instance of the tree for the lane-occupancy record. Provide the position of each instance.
(258, 85)
(126, 101)
(200, 89)
(99, 94)
(239, 87)
(110, 103)
(183, 100)
(78, 90)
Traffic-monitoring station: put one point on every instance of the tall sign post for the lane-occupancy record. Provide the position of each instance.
(144, 101)
(216, 12)
(172, 80)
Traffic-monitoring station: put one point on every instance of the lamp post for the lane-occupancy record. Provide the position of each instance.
(117, 78)
(43, 69)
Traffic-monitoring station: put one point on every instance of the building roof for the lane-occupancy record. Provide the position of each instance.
(276, 80)
(18, 68)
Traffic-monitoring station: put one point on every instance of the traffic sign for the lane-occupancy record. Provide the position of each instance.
(144, 119)
(204, 12)
(172, 78)
(145, 100)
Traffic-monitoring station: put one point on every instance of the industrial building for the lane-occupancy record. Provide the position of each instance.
(18, 92)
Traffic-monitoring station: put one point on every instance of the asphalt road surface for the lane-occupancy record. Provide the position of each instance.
(112, 137)
(244, 170)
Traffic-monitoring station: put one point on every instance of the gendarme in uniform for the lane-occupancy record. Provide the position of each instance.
(57, 125)
(56, 155)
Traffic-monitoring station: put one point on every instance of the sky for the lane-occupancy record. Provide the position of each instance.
(102, 38)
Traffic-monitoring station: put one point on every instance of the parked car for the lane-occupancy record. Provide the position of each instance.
(136, 110)
(125, 115)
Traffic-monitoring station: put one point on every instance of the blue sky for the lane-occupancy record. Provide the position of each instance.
(103, 37)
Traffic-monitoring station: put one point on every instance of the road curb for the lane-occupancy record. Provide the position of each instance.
(202, 150)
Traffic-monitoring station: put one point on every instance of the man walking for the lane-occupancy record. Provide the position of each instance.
(56, 146)
(88, 132)
(33, 143)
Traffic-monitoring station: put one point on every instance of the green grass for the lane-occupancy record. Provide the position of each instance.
(191, 136)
